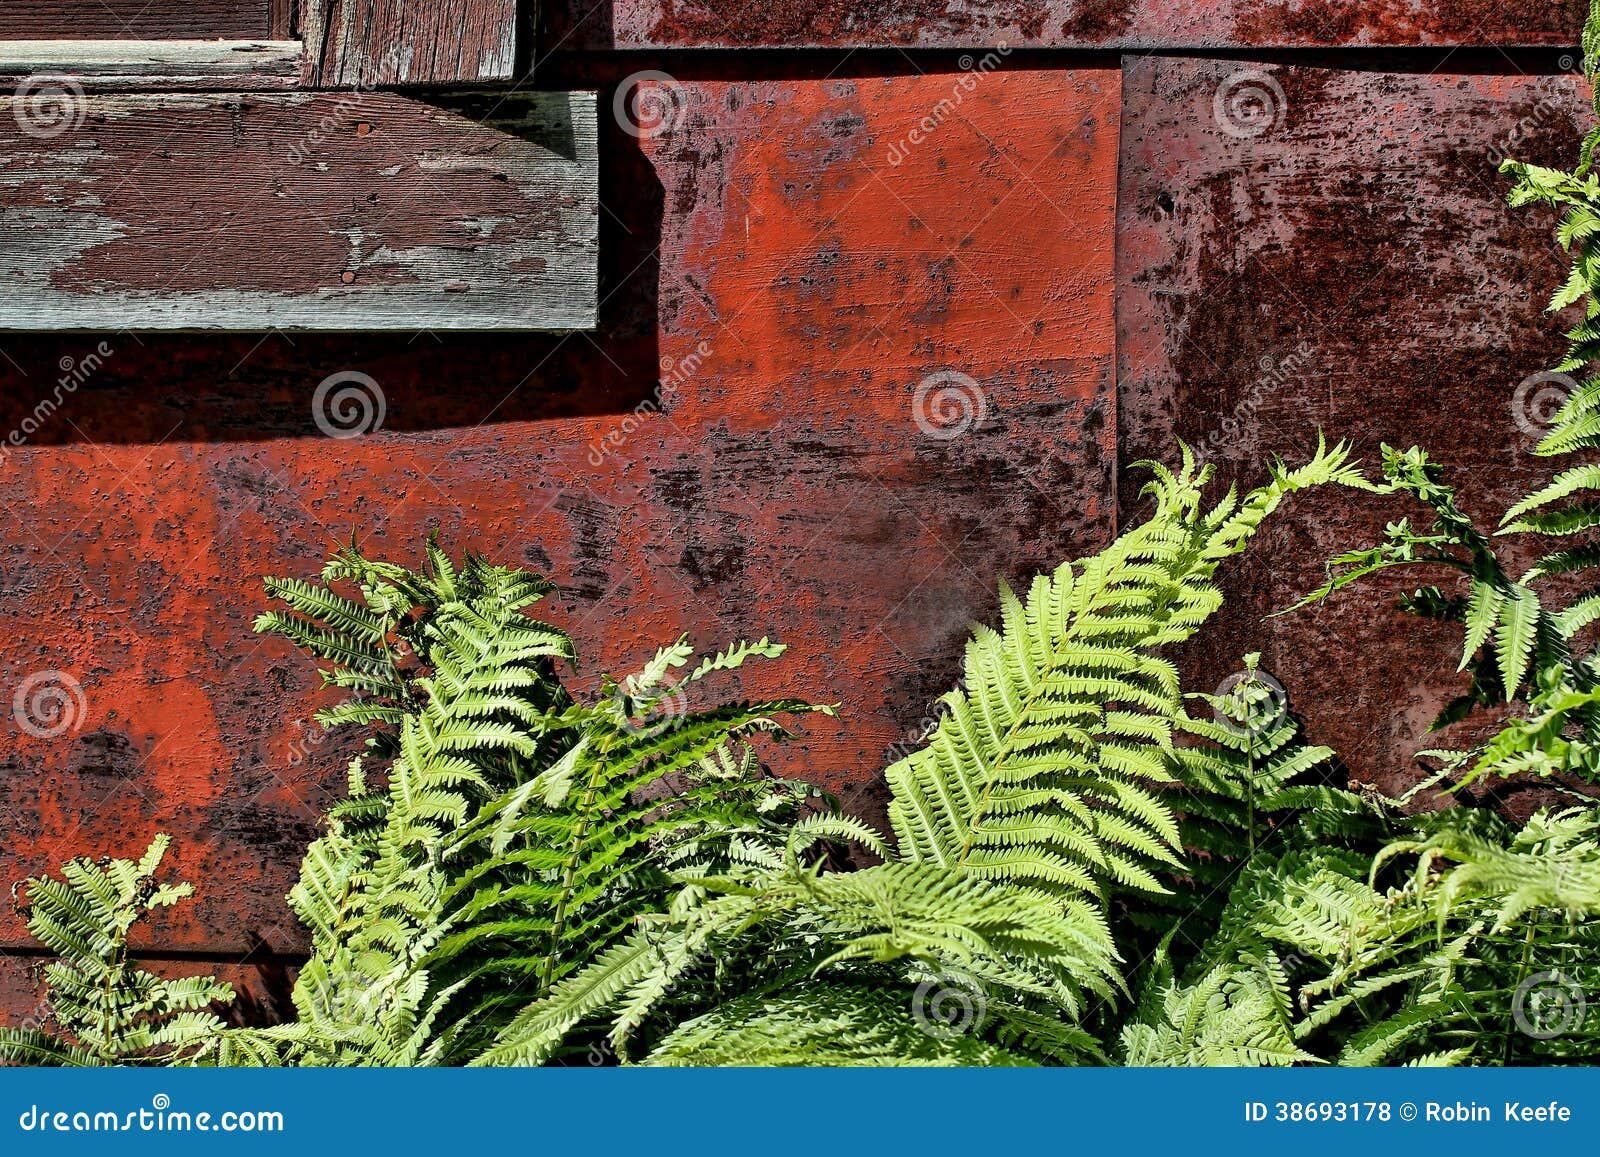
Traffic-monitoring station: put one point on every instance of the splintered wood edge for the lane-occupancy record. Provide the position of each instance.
(240, 64)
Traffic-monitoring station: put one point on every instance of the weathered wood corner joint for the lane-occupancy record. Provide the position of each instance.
(276, 164)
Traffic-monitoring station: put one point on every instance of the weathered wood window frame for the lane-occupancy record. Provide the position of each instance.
(473, 206)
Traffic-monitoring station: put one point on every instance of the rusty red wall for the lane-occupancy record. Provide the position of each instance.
(906, 316)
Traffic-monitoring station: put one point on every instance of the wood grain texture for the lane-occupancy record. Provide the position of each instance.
(1209, 24)
(1345, 262)
(137, 19)
(282, 19)
(736, 451)
(154, 64)
(299, 211)
(360, 43)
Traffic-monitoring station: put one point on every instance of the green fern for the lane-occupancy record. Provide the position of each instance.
(1227, 1018)
(1518, 643)
(517, 831)
(1577, 425)
(1245, 781)
(837, 1025)
(1049, 763)
(1371, 976)
(1042, 791)
(108, 1010)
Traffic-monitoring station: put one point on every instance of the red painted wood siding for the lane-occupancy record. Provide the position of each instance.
(792, 285)
(794, 246)
(1060, 23)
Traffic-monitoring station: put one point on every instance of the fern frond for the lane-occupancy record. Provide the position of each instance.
(1046, 767)
(108, 1010)
(822, 1024)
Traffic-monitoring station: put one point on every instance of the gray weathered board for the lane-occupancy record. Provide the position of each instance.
(397, 42)
(177, 65)
(343, 211)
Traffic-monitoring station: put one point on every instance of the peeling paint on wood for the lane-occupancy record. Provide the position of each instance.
(164, 64)
(384, 42)
(300, 211)
(1061, 23)
(735, 452)
(1345, 263)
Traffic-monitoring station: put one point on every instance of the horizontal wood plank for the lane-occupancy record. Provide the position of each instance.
(383, 42)
(167, 64)
(137, 19)
(298, 211)
(1211, 24)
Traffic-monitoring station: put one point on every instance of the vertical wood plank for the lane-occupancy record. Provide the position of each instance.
(1305, 251)
(280, 20)
(360, 43)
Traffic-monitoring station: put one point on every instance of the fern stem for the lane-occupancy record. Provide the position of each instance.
(569, 877)
(1522, 975)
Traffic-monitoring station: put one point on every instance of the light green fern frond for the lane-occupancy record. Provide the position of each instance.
(518, 832)
(105, 1009)
(1230, 1017)
(1048, 766)
(824, 1024)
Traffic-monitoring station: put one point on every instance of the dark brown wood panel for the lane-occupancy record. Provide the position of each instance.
(1304, 249)
(282, 19)
(298, 211)
(367, 42)
(137, 19)
(1060, 23)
